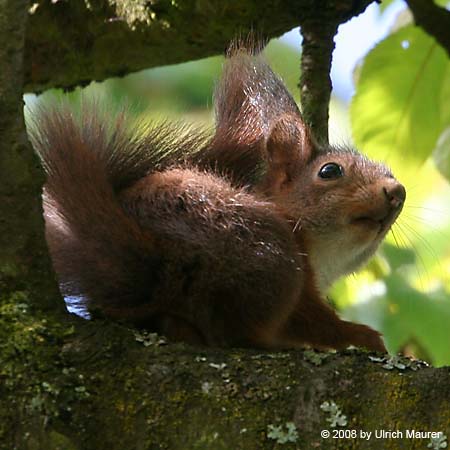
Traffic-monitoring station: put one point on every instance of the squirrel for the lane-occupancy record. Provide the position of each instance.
(231, 239)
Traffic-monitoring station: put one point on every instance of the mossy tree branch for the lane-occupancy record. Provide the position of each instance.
(25, 268)
(72, 43)
(102, 389)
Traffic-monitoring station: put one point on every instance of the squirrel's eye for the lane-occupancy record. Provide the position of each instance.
(331, 171)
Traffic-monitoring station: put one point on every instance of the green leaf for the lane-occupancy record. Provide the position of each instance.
(408, 317)
(401, 102)
(441, 154)
(398, 256)
(419, 318)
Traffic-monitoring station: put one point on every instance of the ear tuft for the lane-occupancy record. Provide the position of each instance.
(252, 44)
(250, 100)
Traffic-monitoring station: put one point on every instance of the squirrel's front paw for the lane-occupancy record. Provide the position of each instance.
(368, 338)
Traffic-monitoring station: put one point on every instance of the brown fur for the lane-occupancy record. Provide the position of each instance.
(229, 240)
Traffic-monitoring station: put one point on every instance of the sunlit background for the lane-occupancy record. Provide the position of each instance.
(405, 291)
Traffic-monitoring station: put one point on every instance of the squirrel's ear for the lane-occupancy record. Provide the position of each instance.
(288, 148)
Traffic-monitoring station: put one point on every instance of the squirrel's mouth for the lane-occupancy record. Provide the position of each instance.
(375, 223)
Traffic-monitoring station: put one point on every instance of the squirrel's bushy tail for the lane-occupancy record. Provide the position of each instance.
(101, 255)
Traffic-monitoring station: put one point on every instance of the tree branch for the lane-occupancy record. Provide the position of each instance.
(318, 45)
(101, 388)
(315, 80)
(25, 269)
(69, 43)
(433, 19)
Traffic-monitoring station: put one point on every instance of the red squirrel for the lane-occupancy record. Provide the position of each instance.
(229, 240)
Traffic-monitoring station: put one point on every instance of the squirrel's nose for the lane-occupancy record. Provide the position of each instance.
(395, 193)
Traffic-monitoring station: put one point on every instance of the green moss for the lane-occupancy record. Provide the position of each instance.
(135, 12)
(59, 441)
(29, 354)
(8, 269)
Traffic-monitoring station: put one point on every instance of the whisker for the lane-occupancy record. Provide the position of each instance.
(423, 241)
(426, 223)
(426, 208)
(417, 219)
(395, 238)
(297, 225)
(413, 187)
(419, 257)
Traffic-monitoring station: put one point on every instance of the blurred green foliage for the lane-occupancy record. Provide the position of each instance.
(401, 104)
(400, 114)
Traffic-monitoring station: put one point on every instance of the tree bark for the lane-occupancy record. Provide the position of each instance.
(315, 82)
(25, 269)
(101, 388)
(70, 43)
